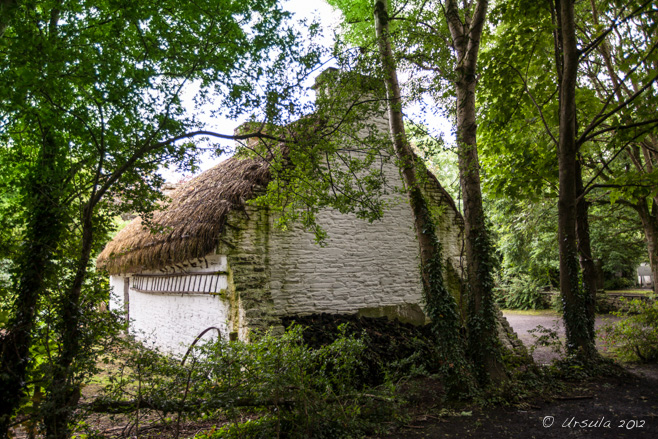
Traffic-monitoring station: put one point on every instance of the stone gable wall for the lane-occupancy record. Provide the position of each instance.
(363, 265)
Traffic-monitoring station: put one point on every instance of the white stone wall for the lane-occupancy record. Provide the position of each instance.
(172, 321)
(363, 265)
(273, 273)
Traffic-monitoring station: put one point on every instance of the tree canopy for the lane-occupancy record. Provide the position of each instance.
(92, 104)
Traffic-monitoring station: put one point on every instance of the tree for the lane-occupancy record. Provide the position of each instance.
(582, 126)
(421, 31)
(629, 67)
(572, 217)
(93, 107)
(466, 28)
(440, 305)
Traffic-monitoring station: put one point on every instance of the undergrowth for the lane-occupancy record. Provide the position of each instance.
(635, 337)
(275, 386)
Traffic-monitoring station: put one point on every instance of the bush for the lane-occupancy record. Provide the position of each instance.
(275, 386)
(392, 349)
(635, 338)
(618, 283)
(520, 292)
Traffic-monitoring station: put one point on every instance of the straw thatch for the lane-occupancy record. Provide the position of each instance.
(193, 222)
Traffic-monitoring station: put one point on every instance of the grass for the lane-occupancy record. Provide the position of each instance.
(643, 292)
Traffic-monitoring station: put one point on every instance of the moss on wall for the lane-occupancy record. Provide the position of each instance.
(248, 264)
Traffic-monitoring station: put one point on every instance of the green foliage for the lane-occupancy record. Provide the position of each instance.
(526, 244)
(520, 292)
(293, 390)
(635, 337)
(519, 122)
(484, 345)
(619, 283)
(547, 337)
(438, 158)
(263, 427)
(578, 368)
(445, 322)
(93, 105)
(100, 331)
(618, 241)
(419, 35)
(526, 240)
(333, 159)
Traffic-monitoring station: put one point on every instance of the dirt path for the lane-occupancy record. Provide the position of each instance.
(608, 408)
(612, 408)
(524, 321)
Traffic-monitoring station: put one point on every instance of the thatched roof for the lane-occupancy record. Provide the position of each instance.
(192, 222)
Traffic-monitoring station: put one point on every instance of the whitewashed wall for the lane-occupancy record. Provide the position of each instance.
(363, 265)
(276, 273)
(172, 321)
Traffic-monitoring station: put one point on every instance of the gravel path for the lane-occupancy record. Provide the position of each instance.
(524, 321)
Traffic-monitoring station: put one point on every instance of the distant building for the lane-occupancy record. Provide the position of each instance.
(644, 275)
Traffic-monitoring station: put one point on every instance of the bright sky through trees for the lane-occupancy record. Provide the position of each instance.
(329, 19)
(310, 10)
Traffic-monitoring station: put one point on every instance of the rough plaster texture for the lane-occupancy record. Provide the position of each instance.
(172, 321)
(363, 265)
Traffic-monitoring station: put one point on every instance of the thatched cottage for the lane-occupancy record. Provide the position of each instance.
(220, 262)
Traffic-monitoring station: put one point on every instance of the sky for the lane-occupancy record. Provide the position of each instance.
(329, 19)
(302, 9)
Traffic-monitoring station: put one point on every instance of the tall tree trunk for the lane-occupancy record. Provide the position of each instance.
(440, 305)
(587, 265)
(34, 266)
(63, 394)
(482, 334)
(579, 338)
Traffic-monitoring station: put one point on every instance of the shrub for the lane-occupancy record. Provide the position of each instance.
(618, 283)
(520, 292)
(283, 387)
(547, 337)
(635, 338)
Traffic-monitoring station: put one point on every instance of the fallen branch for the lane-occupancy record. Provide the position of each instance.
(167, 406)
(570, 398)
(102, 405)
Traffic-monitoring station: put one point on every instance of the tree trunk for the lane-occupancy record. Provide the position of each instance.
(579, 338)
(440, 304)
(63, 394)
(34, 267)
(482, 333)
(590, 277)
